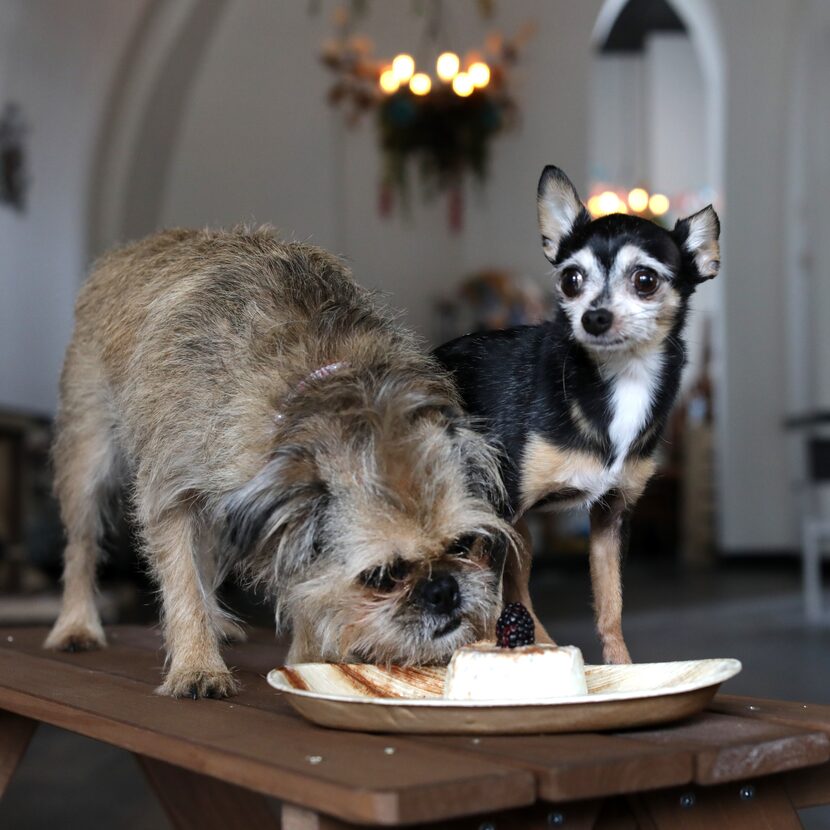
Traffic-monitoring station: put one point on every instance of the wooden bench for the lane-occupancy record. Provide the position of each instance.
(745, 763)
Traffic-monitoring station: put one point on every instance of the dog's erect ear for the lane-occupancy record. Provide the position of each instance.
(697, 236)
(559, 209)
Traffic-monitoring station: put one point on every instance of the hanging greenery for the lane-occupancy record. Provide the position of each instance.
(439, 120)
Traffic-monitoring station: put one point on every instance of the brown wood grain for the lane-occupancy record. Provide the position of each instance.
(578, 816)
(812, 716)
(769, 808)
(573, 767)
(270, 752)
(809, 787)
(192, 800)
(15, 734)
(731, 748)
(136, 653)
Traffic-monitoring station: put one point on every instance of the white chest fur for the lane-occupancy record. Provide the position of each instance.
(548, 469)
(633, 384)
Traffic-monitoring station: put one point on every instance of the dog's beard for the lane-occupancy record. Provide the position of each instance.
(349, 626)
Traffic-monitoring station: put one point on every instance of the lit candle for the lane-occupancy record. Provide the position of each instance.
(447, 66)
(638, 199)
(403, 66)
(388, 82)
(462, 84)
(479, 73)
(658, 204)
(420, 83)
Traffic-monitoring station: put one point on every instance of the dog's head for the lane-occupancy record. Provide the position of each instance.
(374, 523)
(622, 281)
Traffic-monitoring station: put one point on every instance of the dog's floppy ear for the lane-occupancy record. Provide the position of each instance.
(559, 209)
(272, 521)
(697, 237)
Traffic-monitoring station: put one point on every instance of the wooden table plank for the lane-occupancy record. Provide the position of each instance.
(15, 734)
(731, 748)
(576, 816)
(812, 716)
(710, 749)
(136, 653)
(269, 752)
(192, 800)
(575, 767)
(567, 767)
(768, 808)
(809, 787)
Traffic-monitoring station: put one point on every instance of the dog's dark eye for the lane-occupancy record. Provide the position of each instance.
(571, 282)
(462, 545)
(385, 579)
(645, 282)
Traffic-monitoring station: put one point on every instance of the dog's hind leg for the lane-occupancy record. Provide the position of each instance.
(195, 667)
(85, 460)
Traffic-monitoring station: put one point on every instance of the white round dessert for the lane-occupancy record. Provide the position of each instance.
(485, 671)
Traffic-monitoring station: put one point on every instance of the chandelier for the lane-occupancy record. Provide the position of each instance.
(438, 118)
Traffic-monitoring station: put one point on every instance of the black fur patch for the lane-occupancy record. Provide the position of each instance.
(386, 578)
(245, 523)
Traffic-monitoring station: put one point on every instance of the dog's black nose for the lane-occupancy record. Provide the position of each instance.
(597, 320)
(439, 594)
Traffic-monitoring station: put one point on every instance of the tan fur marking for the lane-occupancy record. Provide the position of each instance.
(636, 474)
(582, 423)
(547, 468)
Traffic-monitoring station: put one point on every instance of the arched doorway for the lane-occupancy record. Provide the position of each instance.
(657, 125)
(656, 101)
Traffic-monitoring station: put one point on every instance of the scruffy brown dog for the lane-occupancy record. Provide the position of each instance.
(269, 418)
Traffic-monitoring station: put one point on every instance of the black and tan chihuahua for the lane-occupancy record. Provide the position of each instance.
(578, 403)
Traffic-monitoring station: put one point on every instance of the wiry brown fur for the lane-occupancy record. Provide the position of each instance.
(188, 376)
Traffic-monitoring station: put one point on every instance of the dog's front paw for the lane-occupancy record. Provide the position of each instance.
(198, 683)
(615, 652)
(75, 637)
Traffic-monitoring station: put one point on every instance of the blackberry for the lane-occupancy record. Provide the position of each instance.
(515, 627)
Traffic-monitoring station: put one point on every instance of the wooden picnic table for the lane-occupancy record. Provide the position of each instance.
(745, 763)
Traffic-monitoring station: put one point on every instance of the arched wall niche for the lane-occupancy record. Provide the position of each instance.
(143, 116)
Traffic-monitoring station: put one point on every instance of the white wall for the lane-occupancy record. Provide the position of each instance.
(757, 500)
(258, 142)
(553, 88)
(56, 61)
